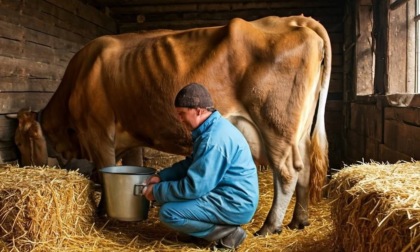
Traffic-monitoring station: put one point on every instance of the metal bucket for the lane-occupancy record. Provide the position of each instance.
(122, 188)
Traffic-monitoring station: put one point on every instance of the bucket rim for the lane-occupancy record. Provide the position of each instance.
(128, 170)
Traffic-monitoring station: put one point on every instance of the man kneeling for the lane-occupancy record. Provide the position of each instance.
(215, 190)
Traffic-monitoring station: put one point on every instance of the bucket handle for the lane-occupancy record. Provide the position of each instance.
(138, 189)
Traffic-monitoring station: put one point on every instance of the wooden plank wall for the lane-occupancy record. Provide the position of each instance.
(42, 35)
(37, 39)
(401, 134)
(380, 131)
(184, 14)
(382, 128)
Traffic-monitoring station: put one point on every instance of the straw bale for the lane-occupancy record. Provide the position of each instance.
(376, 207)
(41, 204)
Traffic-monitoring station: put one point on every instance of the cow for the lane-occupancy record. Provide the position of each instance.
(269, 77)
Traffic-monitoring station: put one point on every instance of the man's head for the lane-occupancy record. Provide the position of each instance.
(194, 105)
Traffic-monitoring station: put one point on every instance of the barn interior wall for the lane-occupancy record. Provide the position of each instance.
(382, 132)
(38, 38)
(378, 127)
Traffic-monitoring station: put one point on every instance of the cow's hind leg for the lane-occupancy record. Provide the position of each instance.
(300, 212)
(283, 192)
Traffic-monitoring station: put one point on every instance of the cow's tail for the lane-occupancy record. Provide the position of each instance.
(319, 151)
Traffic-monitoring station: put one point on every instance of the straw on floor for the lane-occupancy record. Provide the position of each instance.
(54, 212)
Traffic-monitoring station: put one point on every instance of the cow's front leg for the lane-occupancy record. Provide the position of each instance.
(283, 193)
(133, 156)
(101, 151)
(109, 161)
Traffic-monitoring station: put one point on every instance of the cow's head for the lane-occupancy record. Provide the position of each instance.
(30, 139)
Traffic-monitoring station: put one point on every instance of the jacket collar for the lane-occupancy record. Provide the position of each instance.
(205, 125)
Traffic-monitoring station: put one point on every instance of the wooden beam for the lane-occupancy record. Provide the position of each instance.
(380, 31)
(115, 3)
(397, 4)
(213, 7)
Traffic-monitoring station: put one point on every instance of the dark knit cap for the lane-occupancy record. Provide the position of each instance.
(193, 96)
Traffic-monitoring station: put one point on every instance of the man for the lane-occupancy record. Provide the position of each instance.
(215, 190)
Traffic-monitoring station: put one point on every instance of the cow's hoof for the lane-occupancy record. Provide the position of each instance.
(265, 232)
(97, 187)
(277, 231)
(298, 224)
(258, 234)
(101, 212)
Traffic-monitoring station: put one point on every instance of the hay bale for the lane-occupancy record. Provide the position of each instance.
(376, 207)
(40, 205)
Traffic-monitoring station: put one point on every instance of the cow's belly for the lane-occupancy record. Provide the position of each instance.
(167, 141)
(124, 140)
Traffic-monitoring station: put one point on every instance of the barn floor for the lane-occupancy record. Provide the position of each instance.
(150, 235)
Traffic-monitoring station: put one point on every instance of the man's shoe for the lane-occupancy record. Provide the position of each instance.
(232, 240)
(229, 237)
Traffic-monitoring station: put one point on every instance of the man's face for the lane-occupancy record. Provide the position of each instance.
(190, 117)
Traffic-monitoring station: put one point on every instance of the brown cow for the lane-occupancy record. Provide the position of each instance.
(265, 76)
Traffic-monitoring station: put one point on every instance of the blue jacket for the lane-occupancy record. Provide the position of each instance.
(220, 170)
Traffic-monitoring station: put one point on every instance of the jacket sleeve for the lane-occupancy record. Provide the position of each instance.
(203, 175)
(176, 171)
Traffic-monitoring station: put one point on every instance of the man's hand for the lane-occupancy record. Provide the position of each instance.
(154, 179)
(148, 192)
(148, 189)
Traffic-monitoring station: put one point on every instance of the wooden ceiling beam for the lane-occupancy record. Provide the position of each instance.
(194, 7)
